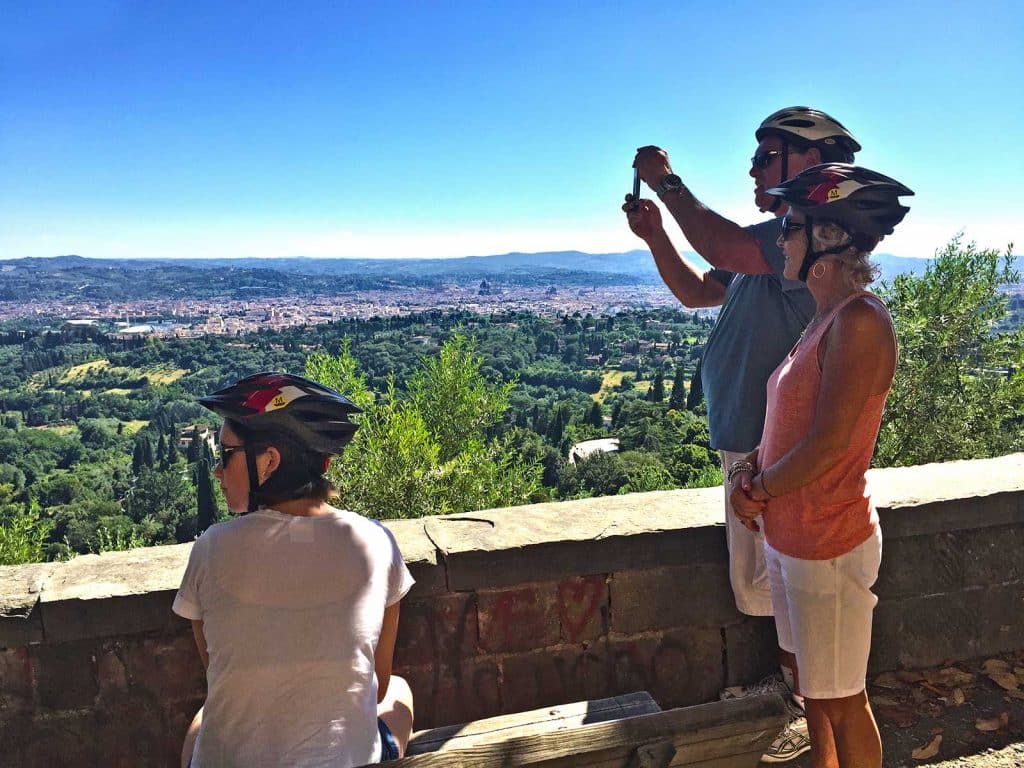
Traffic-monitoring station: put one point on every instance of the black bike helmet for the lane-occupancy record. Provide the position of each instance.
(860, 201)
(314, 416)
(807, 126)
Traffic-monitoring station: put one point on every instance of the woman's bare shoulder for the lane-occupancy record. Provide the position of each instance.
(865, 315)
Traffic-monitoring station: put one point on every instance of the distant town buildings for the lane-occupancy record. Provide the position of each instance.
(235, 317)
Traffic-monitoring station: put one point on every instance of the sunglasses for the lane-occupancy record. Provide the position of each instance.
(225, 453)
(764, 159)
(789, 226)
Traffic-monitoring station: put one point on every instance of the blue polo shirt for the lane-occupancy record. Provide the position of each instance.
(760, 321)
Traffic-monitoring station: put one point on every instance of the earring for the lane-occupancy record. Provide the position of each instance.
(818, 270)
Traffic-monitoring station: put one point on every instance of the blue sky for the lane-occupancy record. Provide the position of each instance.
(447, 129)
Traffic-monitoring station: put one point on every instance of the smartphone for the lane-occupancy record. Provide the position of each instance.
(636, 189)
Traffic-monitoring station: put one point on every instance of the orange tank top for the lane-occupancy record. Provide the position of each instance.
(832, 514)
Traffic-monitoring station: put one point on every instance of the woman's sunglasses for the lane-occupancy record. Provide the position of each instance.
(225, 452)
(789, 226)
(764, 159)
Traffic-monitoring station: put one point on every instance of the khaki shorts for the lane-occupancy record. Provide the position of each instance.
(823, 616)
(747, 572)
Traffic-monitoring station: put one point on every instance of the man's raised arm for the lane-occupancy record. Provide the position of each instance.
(688, 285)
(722, 243)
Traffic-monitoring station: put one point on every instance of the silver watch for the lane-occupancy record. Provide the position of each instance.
(669, 183)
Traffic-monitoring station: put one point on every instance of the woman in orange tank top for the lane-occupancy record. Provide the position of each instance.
(806, 481)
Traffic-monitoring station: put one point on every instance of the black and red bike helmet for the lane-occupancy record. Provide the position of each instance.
(313, 416)
(860, 201)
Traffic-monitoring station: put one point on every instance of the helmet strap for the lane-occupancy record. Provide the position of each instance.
(254, 478)
(812, 255)
(783, 174)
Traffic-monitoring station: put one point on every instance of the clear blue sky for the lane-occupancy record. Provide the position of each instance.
(218, 128)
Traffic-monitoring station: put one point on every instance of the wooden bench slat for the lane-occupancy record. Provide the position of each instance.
(612, 744)
(746, 760)
(537, 721)
(709, 750)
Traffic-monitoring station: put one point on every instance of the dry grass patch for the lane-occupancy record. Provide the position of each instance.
(165, 374)
(82, 371)
(60, 429)
(609, 381)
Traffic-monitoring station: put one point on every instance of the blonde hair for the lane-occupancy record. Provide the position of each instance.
(858, 270)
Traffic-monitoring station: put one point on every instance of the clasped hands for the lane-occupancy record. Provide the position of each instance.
(748, 498)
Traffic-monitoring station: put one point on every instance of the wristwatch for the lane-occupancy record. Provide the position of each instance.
(669, 183)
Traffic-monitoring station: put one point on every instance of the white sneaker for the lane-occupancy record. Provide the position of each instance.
(771, 684)
(790, 744)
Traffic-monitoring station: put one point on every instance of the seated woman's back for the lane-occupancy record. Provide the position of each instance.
(292, 609)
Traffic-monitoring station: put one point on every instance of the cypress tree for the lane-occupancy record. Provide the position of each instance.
(161, 451)
(657, 392)
(594, 416)
(556, 427)
(147, 453)
(206, 512)
(172, 450)
(696, 389)
(138, 457)
(194, 448)
(677, 400)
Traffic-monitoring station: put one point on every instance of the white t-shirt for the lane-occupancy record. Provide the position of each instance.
(292, 610)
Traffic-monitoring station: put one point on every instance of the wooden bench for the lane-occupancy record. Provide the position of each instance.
(628, 731)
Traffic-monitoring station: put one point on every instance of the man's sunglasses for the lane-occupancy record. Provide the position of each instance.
(764, 159)
(789, 226)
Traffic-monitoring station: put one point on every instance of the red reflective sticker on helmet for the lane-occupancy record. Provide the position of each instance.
(825, 192)
(258, 400)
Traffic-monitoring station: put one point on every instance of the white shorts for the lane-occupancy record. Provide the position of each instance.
(747, 572)
(823, 616)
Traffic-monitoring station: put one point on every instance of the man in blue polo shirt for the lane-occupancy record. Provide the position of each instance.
(762, 316)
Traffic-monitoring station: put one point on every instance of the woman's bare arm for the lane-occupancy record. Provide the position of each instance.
(383, 656)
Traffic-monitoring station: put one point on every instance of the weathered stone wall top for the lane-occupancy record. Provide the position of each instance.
(122, 593)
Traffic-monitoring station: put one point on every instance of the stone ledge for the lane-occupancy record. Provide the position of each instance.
(949, 496)
(128, 592)
(420, 557)
(20, 588)
(542, 542)
(945, 481)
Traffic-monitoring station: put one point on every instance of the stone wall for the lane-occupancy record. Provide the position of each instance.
(515, 609)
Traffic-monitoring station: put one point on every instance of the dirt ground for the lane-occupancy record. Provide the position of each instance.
(958, 715)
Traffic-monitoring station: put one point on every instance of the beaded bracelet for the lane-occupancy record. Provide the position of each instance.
(740, 465)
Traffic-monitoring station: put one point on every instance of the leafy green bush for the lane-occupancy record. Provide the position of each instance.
(959, 386)
(23, 536)
(427, 451)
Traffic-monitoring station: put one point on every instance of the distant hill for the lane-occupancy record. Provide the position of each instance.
(113, 279)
